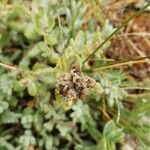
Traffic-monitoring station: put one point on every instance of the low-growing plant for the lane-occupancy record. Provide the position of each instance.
(57, 88)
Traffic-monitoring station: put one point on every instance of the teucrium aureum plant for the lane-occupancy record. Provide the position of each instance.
(45, 101)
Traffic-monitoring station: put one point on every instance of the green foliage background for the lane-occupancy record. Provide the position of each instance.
(39, 39)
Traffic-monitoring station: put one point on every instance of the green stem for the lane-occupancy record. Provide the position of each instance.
(113, 33)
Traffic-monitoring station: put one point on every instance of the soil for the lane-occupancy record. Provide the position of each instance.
(133, 42)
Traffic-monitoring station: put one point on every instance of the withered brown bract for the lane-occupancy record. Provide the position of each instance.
(74, 84)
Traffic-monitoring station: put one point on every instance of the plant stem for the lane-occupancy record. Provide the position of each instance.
(134, 34)
(136, 88)
(113, 33)
(122, 63)
(137, 96)
(8, 67)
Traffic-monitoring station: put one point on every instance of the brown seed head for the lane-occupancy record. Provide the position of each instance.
(74, 84)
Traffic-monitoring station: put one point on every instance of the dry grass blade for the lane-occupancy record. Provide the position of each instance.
(122, 63)
(118, 29)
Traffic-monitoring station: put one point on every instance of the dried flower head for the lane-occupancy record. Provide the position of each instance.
(74, 84)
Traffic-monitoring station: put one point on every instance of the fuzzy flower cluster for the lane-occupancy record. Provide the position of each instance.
(74, 84)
